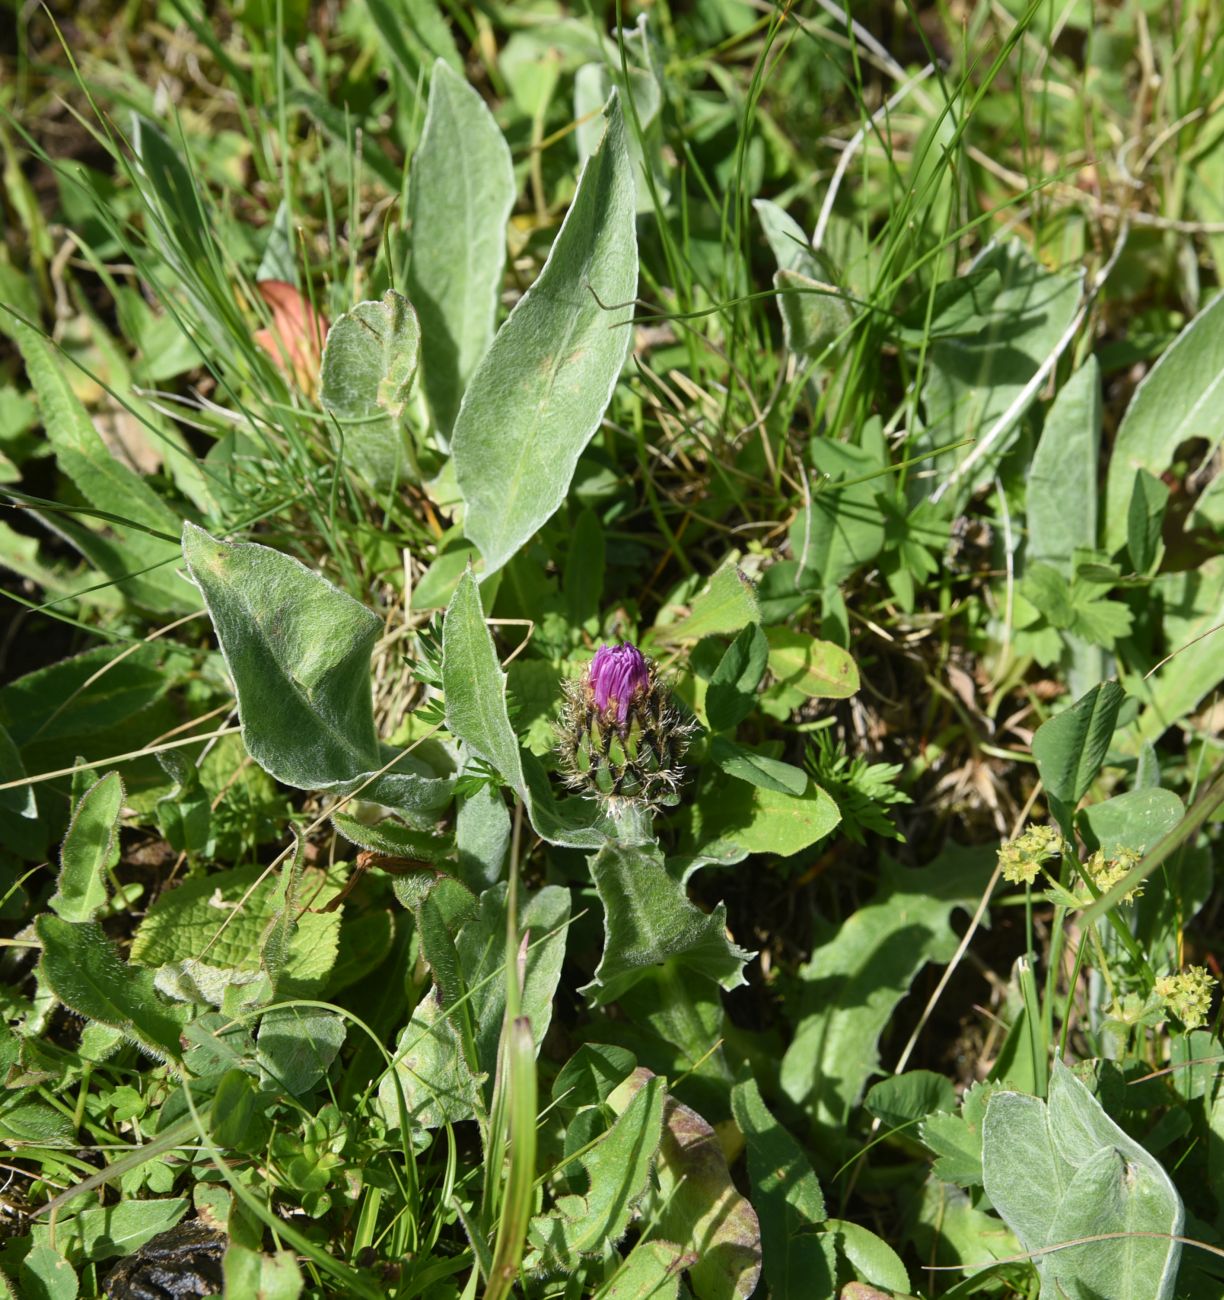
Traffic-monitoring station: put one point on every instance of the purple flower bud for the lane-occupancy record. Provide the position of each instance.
(615, 676)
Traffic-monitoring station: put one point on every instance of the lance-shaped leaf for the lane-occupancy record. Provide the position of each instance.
(617, 1168)
(90, 849)
(648, 920)
(460, 193)
(537, 398)
(369, 364)
(298, 650)
(83, 970)
(475, 689)
(1070, 748)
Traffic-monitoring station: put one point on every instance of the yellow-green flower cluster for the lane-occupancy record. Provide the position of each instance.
(1106, 872)
(1020, 859)
(1187, 995)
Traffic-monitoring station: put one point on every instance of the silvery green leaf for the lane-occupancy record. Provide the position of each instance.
(298, 650)
(460, 195)
(369, 364)
(538, 396)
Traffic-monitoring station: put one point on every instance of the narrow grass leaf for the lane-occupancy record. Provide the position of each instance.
(537, 398)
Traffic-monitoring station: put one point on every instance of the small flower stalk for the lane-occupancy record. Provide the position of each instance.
(622, 738)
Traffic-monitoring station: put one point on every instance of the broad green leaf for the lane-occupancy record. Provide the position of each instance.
(731, 693)
(47, 1275)
(727, 604)
(1193, 606)
(89, 851)
(842, 527)
(1061, 490)
(1179, 399)
(973, 382)
(186, 923)
(432, 1055)
(1135, 820)
(103, 1232)
(1063, 1170)
(1071, 746)
(83, 970)
(460, 195)
(617, 1168)
(758, 769)
(298, 650)
(651, 1271)
(700, 1208)
(819, 669)
(297, 1046)
(854, 981)
(482, 833)
(414, 33)
(475, 689)
(1144, 519)
(109, 486)
(648, 920)
(872, 1259)
(761, 820)
(369, 364)
(475, 686)
(591, 1074)
(786, 1196)
(536, 399)
(958, 307)
(902, 1099)
(270, 1277)
(814, 314)
(18, 800)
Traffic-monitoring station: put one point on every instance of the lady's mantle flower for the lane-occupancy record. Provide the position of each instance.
(621, 737)
(1106, 872)
(1187, 995)
(1021, 858)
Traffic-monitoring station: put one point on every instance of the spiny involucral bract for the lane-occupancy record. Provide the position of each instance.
(622, 738)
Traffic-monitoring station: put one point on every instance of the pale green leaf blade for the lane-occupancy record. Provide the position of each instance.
(90, 849)
(369, 365)
(1134, 820)
(1070, 747)
(84, 971)
(648, 920)
(854, 981)
(1061, 491)
(757, 819)
(701, 1208)
(786, 1196)
(475, 686)
(298, 651)
(1179, 399)
(822, 670)
(618, 1167)
(461, 192)
(976, 381)
(727, 604)
(536, 399)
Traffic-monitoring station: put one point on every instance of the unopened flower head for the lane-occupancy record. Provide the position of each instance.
(1187, 995)
(1106, 872)
(622, 738)
(1020, 859)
